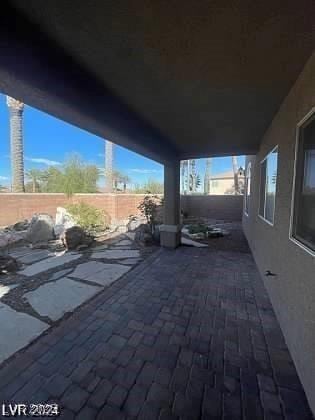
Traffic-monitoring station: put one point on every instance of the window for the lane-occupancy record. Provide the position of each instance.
(303, 227)
(247, 187)
(268, 185)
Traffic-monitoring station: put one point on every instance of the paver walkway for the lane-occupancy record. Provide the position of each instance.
(187, 334)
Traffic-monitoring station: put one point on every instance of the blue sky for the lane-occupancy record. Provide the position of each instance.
(48, 140)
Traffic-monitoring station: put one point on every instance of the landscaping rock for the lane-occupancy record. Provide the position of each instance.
(134, 223)
(9, 238)
(20, 226)
(41, 229)
(64, 220)
(75, 237)
(144, 235)
(8, 264)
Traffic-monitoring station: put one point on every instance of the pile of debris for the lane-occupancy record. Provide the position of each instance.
(202, 231)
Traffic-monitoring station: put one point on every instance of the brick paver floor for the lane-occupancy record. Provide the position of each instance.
(187, 334)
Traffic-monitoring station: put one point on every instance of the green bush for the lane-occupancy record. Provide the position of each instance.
(198, 228)
(89, 217)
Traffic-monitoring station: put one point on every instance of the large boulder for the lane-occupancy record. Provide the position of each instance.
(8, 264)
(75, 237)
(41, 229)
(64, 220)
(144, 235)
(21, 226)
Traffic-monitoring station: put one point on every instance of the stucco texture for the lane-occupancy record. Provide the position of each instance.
(292, 290)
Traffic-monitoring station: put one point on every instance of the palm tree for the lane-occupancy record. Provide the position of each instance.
(183, 166)
(235, 172)
(109, 146)
(16, 108)
(116, 179)
(125, 179)
(206, 187)
(34, 175)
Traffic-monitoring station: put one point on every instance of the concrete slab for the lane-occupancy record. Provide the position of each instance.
(52, 262)
(124, 242)
(125, 247)
(190, 242)
(61, 273)
(17, 330)
(116, 254)
(103, 274)
(21, 251)
(34, 256)
(130, 261)
(100, 247)
(56, 298)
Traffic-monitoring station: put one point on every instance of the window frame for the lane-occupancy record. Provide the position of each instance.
(299, 126)
(246, 201)
(265, 192)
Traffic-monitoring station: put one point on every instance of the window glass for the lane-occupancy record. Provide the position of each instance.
(268, 185)
(304, 200)
(248, 187)
(262, 188)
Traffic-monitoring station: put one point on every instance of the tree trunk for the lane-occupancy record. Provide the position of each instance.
(34, 186)
(16, 143)
(235, 172)
(109, 166)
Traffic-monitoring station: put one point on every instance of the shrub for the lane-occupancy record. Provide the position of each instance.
(198, 228)
(89, 217)
(149, 208)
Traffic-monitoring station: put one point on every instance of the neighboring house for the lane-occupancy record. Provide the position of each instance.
(223, 183)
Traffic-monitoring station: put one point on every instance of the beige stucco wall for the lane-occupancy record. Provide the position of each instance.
(292, 291)
(222, 186)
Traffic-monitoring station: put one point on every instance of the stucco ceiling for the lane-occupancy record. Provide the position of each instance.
(207, 76)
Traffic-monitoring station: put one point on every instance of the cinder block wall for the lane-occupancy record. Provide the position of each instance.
(224, 207)
(15, 207)
(292, 291)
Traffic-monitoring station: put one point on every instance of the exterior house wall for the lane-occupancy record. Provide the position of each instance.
(292, 291)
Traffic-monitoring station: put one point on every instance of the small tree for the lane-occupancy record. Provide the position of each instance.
(75, 176)
(148, 208)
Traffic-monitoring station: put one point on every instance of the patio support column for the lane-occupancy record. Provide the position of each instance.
(170, 230)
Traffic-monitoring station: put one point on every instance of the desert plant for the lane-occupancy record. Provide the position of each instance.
(89, 217)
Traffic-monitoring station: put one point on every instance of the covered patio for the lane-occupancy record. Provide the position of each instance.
(187, 334)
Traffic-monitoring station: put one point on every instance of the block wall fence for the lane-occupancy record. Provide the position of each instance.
(17, 207)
